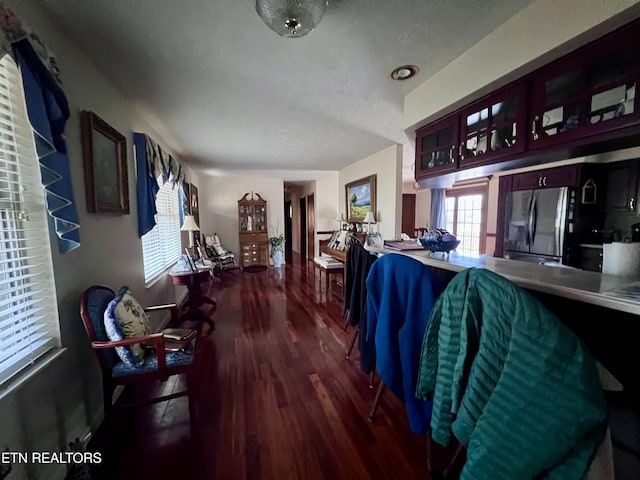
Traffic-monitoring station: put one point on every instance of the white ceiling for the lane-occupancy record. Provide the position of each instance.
(236, 96)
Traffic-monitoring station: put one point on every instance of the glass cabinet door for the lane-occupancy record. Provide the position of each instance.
(493, 127)
(436, 150)
(594, 91)
(260, 218)
(246, 220)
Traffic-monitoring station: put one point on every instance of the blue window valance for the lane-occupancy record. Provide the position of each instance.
(48, 111)
(153, 165)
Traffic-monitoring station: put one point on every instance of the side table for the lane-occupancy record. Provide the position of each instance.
(195, 299)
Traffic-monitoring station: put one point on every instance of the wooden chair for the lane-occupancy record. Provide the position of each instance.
(158, 366)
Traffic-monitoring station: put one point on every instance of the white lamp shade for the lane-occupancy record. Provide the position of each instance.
(369, 218)
(190, 224)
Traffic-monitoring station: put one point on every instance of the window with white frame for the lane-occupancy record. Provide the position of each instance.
(467, 219)
(161, 246)
(29, 325)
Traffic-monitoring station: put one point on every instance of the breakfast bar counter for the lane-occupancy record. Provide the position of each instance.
(601, 309)
(608, 291)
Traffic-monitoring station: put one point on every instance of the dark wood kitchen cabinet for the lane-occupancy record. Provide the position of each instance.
(621, 188)
(547, 178)
(591, 91)
(494, 127)
(437, 147)
(580, 104)
(591, 258)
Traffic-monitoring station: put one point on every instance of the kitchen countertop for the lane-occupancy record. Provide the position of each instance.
(592, 245)
(588, 287)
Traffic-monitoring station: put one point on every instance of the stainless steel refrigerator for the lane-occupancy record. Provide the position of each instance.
(536, 225)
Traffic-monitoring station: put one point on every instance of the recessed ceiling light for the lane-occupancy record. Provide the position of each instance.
(404, 72)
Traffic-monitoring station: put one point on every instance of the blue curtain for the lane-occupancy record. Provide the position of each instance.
(438, 209)
(185, 201)
(48, 112)
(146, 186)
(152, 162)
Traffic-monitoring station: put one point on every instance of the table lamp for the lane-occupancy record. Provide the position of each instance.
(190, 225)
(369, 219)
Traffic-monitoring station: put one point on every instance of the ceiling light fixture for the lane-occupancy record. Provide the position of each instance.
(404, 72)
(291, 18)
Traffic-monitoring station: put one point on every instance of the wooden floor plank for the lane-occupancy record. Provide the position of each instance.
(276, 397)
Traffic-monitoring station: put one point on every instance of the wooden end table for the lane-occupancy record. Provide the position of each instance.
(195, 299)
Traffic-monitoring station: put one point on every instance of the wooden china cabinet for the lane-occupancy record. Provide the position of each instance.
(254, 241)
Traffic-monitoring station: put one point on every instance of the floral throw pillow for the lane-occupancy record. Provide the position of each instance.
(125, 318)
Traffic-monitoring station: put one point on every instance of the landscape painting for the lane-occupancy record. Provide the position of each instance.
(360, 198)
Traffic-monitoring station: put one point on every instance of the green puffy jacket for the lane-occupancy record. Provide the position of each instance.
(511, 382)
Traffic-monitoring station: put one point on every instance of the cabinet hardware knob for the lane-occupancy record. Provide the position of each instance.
(544, 181)
(460, 154)
(539, 181)
(451, 153)
(632, 203)
(533, 127)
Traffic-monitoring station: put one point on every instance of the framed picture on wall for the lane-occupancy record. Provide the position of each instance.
(360, 197)
(194, 208)
(104, 153)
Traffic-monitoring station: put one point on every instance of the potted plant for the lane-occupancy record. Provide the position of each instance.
(276, 241)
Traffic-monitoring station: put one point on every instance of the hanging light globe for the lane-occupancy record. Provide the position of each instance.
(291, 18)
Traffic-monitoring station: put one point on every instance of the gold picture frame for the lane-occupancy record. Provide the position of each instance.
(360, 198)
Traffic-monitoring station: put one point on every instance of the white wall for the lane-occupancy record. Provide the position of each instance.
(327, 202)
(219, 205)
(387, 165)
(517, 47)
(64, 399)
(423, 208)
(325, 193)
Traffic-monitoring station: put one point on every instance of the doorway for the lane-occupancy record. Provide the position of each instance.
(311, 226)
(303, 228)
(409, 213)
(288, 232)
(467, 219)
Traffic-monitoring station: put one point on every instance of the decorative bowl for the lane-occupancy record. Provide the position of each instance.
(435, 246)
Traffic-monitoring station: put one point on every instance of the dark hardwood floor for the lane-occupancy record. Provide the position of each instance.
(276, 397)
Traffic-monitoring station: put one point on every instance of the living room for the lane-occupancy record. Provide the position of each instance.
(60, 399)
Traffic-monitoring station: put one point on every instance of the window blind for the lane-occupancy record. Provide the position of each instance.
(161, 246)
(29, 324)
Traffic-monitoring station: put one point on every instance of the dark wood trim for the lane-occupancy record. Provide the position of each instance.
(408, 213)
(302, 227)
(311, 226)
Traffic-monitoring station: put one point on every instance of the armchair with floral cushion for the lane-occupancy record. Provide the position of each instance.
(129, 352)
